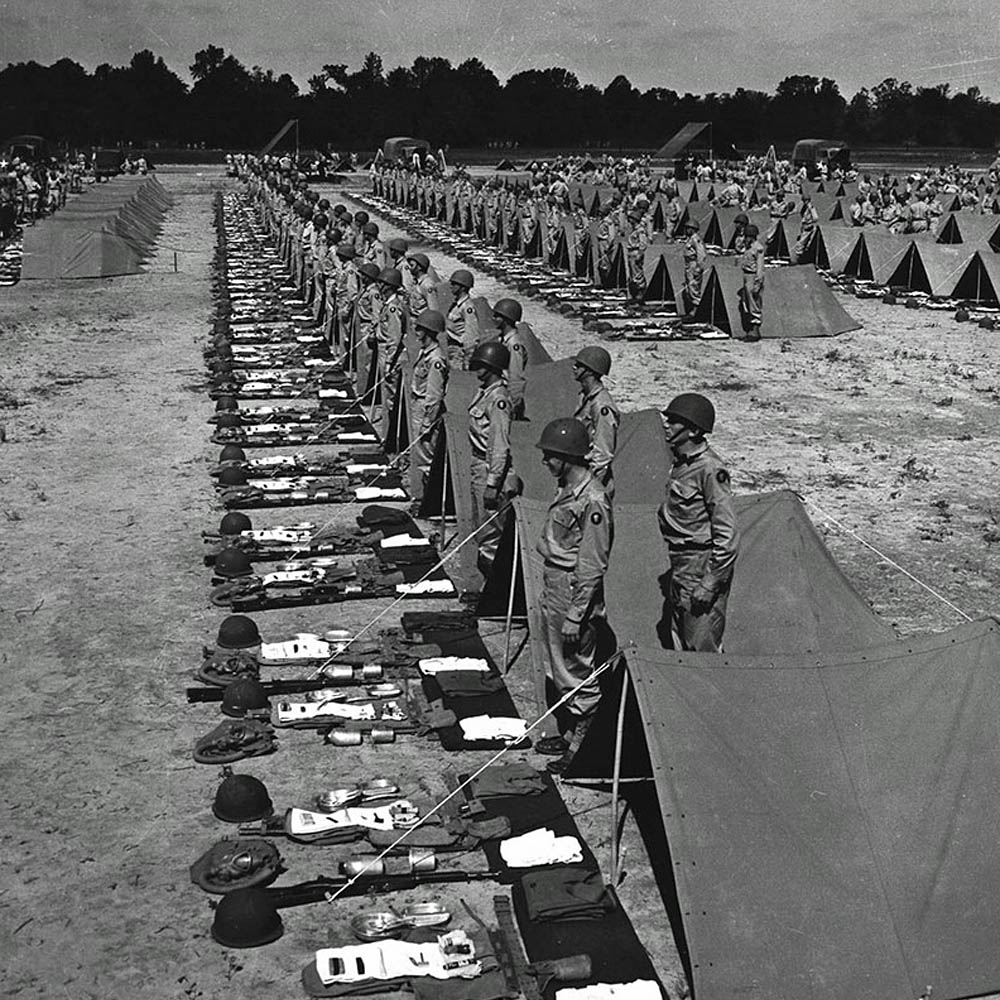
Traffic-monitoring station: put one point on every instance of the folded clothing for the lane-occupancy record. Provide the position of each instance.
(567, 893)
(641, 989)
(434, 665)
(540, 847)
(499, 780)
(489, 727)
(468, 683)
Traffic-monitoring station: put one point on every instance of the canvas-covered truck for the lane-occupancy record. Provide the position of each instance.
(810, 153)
(108, 162)
(403, 147)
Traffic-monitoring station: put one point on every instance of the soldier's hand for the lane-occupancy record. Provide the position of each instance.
(491, 498)
(701, 600)
(570, 634)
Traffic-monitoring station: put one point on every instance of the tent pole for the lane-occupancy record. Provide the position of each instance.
(510, 596)
(444, 488)
(616, 782)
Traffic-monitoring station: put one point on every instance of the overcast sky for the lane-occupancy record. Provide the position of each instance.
(686, 45)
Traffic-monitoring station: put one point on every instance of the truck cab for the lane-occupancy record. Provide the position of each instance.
(810, 153)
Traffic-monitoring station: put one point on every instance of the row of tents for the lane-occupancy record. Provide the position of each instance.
(107, 230)
(826, 789)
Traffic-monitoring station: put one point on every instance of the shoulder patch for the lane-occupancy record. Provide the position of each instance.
(596, 517)
(439, 366)
(501, 404)
(605, 411)
(722, 476)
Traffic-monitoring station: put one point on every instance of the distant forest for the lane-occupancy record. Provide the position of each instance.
(230, 106)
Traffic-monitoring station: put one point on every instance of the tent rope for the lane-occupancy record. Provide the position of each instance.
(892, 562)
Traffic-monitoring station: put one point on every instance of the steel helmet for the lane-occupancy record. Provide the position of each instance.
(595, 358)
(741, 217)
(398, 245)
(430, 320)
(491, 355)
(463, 278)
(346, 252)
(361, 218)
(230, 563)
(229, 418)
(234, 522)
(339, 210)
(509, 309)
(245, 696)
(565, 436)
(693, 409)
(421, 260)
(246, 918)
(242, 798)
(390, 276)
(369, 229)
(369, 270)
(232, 453)
(751, 230)
(692, 224)
(238, 632)
(232, 475)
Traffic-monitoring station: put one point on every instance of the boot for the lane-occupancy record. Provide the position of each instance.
(580, 730)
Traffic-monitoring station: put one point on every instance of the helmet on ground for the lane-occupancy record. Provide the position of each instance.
(421, 260)
(751, 230)
(398, 245)
(360, 218)
(693, 409)
(509, 309)
(234, 522)
(463, 278)
(229, 418)
(238, 632)
(231, 563)
(246, 918)
(565, 436)
(595, 358)
(244, 697)
(345, 251)
(232, 453)
(390, 276)
(741, 217)
(232, 475)
(430, 320)
(491, 355)
(242, 798)
(369, 270)
(369, 229)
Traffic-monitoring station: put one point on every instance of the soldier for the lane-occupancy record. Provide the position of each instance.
(395, 256)
(366, 310)
(597, 412)
(752, 265)
(423, 288)
(507, 314)
(346, 285)
(356, 236)
(390, 340)
(694, 266)
(575, 545)
(489, 438)
(319, 251)
(371, 248)
(698, 524)
(779, 210)
(808, 221)
(739, 240)
(462, 322)
(430, 377)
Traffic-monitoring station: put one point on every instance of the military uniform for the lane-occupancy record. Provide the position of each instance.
(514, 341)
(752, 266)
(430, 377)
(694, 270)
(598, 412)
(393, 323)
(698, 524)
(808, 221)
(490, 414)
(575, 546)
(462, 328)
(366, 310)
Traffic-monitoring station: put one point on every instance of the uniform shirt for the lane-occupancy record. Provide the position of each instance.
(462, 323)
(808, 218)
(752, 259)
(577, 538)
(393, 320)
(489, 430)
(422, 294)
(366, 310)
(694, 250)
(698, 514)
(599, 414)
(430, 377)
(514, 341)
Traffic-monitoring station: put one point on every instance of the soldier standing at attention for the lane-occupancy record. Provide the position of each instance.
(752, 265)
(575, 546)
(598, 412)
(390, 340)
(490, 415)
(698, 523)
(430, 377)
(462, 322)
(508, 313)
(694, 266)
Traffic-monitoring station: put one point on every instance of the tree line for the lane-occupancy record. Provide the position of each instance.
(228, 105)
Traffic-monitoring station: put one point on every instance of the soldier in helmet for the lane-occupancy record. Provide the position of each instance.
(462, 322)
(752, 265)
(698, 524)
(390, 340)
(739, 240)
(574, 546)
(423, 287)
(694, 266)
(367, 307)
(395, 256)
(507, 314)
(598, 412)
(345, 286)
(490, 414)
(371, 247)
(427, 386)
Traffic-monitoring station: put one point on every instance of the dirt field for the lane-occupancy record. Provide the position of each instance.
(104, 490)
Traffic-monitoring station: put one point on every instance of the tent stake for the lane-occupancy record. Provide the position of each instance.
(510, 596)
(616, 783)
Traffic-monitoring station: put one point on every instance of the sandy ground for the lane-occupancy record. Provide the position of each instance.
(104, 605)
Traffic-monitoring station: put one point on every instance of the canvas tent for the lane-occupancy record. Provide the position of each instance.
(694, 139)
(980, 281)
(933, 268)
